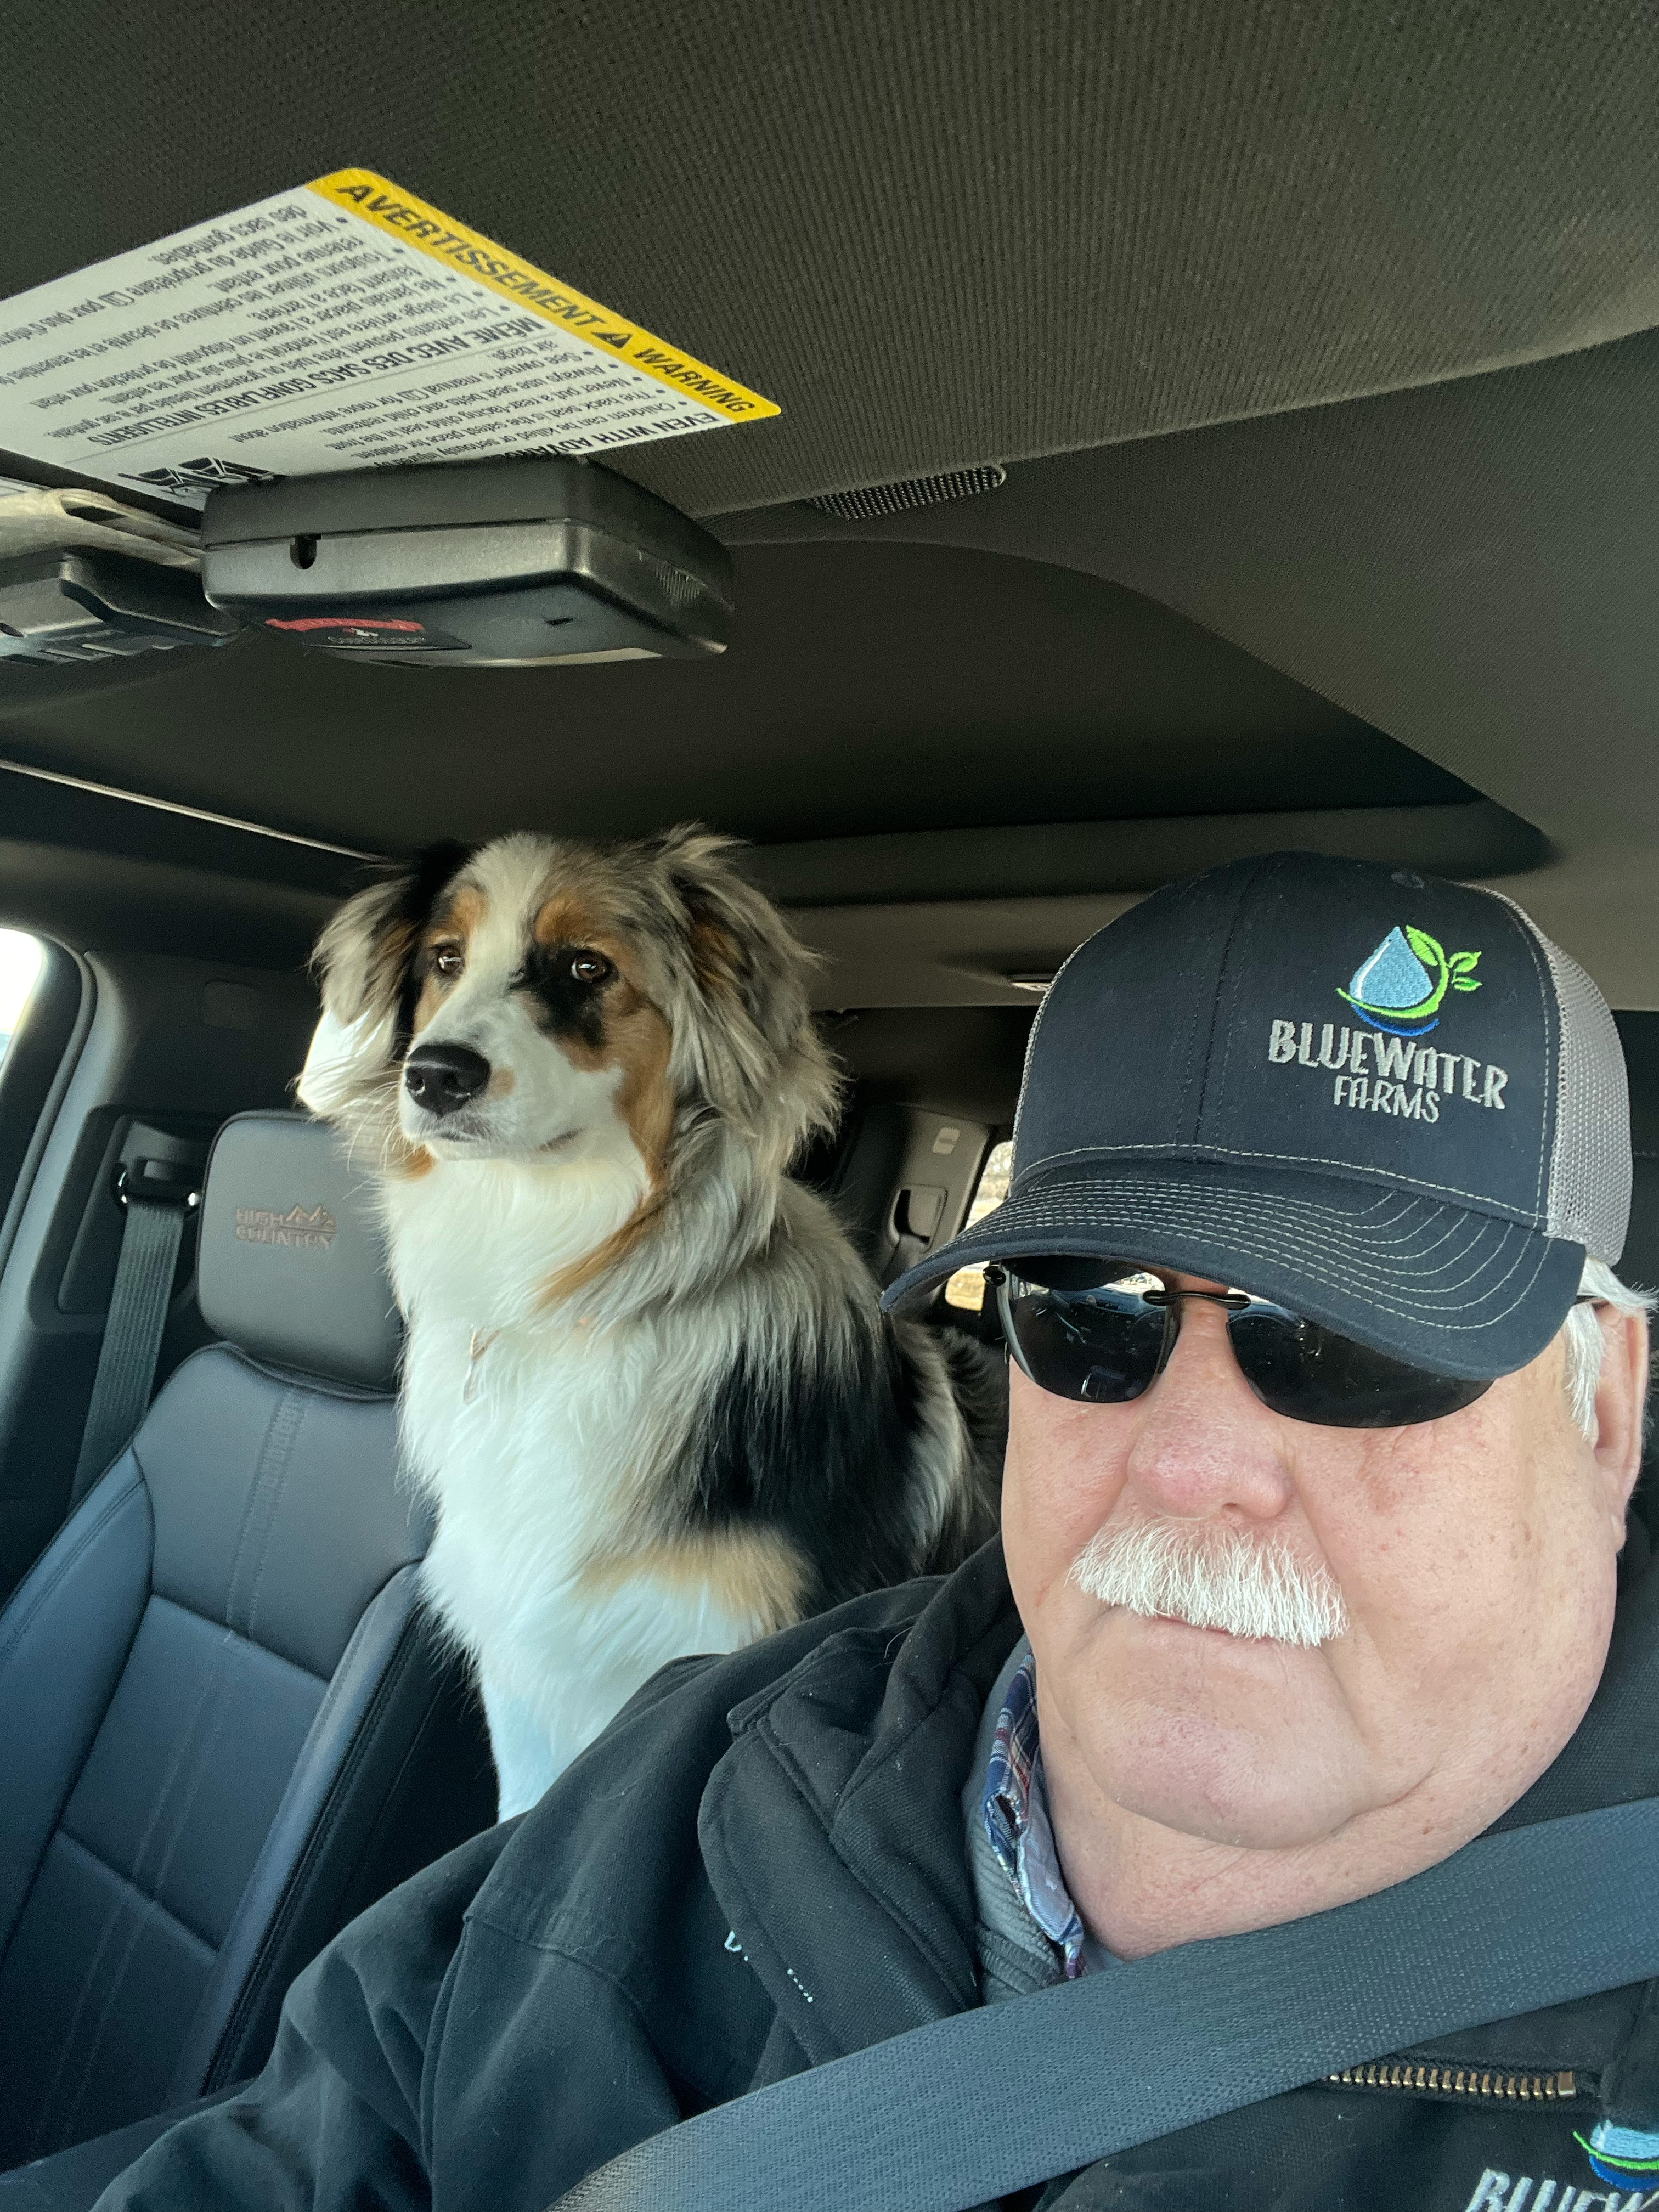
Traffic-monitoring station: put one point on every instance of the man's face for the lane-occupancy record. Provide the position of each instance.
(1475, 1558)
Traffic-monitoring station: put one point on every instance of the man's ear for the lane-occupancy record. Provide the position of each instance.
(1621, 1403)
(364, 963)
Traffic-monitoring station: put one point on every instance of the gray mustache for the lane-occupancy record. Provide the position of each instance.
(1213, 1577)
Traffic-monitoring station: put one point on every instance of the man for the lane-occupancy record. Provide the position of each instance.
(1308, 1583)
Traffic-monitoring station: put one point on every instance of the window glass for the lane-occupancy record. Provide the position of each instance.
(966, 1287)
(20, 965)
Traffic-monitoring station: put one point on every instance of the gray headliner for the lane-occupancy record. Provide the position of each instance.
(935, 235)
(1473, 567)
(1068, 231)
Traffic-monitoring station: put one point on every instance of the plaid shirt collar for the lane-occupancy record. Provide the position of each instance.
(1016, 1822)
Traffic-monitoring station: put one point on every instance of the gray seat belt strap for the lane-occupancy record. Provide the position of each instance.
(970, 2108)
(154, 1229)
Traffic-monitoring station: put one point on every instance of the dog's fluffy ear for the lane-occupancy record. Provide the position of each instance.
(755, 1050)
(364, 963)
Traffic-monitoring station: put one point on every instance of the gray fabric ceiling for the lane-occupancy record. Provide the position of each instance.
(934, 234)
(1067, 236)
(1474, 567)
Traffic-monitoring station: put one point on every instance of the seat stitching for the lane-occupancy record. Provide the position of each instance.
(70, 2033)
(208, 1621)
(140, 1921)
(78, 1843)
(220, 1681)
(71, 1558)
(212, 1678)
(41, 2136)
(248, 1506)
(316, 1386)
(260, 1511)
(116, 1503)
(279, 1476)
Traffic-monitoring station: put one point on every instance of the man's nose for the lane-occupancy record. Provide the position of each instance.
(1205, 1441)
(441, 1077)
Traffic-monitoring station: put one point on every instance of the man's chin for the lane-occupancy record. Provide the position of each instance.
(1240, 1797)
(1229, 1739)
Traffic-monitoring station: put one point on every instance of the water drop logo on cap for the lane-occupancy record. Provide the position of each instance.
(1399, 987)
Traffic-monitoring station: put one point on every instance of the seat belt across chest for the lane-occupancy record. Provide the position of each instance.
(973, 2107)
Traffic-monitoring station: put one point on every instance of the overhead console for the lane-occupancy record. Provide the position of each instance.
(482, 564)
(485, 564)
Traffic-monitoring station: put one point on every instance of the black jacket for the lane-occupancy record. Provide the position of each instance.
(760, 1866)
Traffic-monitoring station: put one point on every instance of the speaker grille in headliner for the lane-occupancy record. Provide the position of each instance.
(915, 491)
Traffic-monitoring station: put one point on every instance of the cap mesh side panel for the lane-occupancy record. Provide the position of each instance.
(1588, 1202)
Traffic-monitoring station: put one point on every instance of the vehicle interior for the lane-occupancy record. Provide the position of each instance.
(1203, 431)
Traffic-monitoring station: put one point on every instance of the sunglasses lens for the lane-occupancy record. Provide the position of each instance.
(1097, 1342)
(1100, 1341)
(1308, 1373)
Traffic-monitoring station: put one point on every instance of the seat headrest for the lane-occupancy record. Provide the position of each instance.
(292, 1260)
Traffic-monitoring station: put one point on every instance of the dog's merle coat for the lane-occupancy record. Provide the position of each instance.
(646, 1379)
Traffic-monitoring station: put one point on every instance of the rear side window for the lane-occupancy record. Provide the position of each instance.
(966, 1288)
(20, 959)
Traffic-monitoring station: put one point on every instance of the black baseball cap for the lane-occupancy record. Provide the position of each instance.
(1386, 1101)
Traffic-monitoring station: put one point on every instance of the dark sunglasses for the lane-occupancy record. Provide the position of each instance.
(1106, 1341)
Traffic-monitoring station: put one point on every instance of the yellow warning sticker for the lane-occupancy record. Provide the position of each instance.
(413, 223)
(340, 324)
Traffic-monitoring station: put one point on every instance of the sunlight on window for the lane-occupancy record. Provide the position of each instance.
(966, 1288)
(19, 964)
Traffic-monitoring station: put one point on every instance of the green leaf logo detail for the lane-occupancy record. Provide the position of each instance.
(1406, 959)
(1426, 948)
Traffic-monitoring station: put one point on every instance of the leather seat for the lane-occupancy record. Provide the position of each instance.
(225, 1727)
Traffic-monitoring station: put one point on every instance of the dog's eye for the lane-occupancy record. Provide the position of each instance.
(449, 960)
(590, 967)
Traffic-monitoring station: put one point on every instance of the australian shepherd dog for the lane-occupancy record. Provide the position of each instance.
(646, 1378)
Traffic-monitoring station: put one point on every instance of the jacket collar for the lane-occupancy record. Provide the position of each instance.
(853, 1764)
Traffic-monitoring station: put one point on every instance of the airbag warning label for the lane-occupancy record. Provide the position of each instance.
(343, 324)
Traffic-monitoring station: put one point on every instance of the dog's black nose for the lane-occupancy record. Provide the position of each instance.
(441, 1077)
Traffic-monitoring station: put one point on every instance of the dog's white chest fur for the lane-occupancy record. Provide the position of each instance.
(522, 1427)
(578, 1074)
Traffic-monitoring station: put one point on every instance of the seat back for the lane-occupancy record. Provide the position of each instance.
(224, 1724)
(903, 1182)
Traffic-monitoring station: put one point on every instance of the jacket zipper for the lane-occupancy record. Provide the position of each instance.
(1490, 2084)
